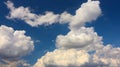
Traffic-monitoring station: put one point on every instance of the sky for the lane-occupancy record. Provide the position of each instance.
(59, 33)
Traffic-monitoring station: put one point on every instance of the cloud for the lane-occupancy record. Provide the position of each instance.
(63, 58)
(108, 56)
(105, 57)
(83, 14)
(73, 49)
(80, 36)
(14, 43)
(65, 17)
(30, 18)
(84, 38)
(15, 63)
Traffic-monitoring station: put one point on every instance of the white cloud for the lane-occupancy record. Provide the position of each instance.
(105, 57)
(108, 56)
(65, 17)
(88, 12)
(84, 38)
(14, 43)
(72, 49)
(30, 18)
(14, 63)
(63, 58)
(84, 14)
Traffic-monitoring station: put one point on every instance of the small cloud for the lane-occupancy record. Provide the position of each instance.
(37, 41)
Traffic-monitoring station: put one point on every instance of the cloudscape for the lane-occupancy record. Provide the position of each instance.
(48, 33)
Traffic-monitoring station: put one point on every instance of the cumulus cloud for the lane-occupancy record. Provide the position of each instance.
(83, 14)
(30, 18)
(108, 56)
(14, 63)
(105, 57)
(14, 43)
(72, 49)
(63, 58)
(84, 38)
(80, 36)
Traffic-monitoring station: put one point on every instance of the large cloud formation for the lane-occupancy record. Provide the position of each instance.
(81, 47)
(14, 43)
(75, 21)
(63, 58)
(108, 57)
(81, 38)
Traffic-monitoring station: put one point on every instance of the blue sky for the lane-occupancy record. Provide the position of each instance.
(44, 37)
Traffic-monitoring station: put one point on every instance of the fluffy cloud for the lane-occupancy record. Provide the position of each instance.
(63, 58)
(14, 43)
(84, 14)
(108, 56)
(84, 38)
(105, 57)
(14, 63)
(30, 18)
(72, 49)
